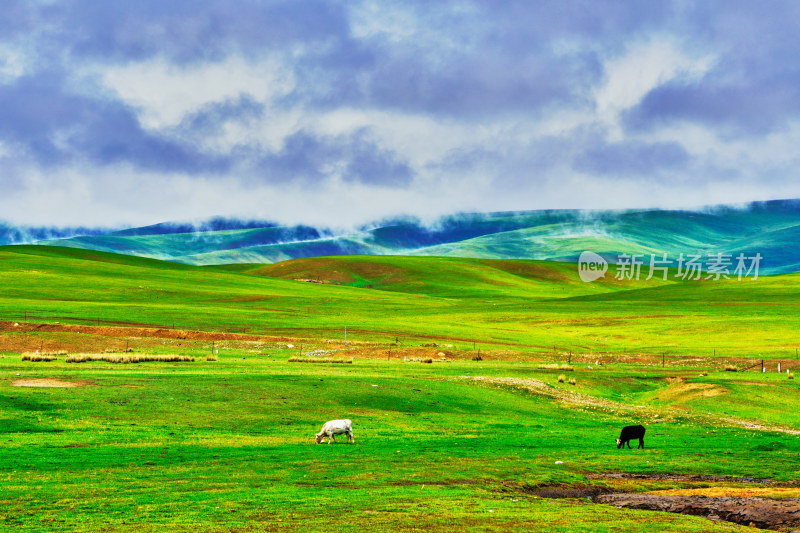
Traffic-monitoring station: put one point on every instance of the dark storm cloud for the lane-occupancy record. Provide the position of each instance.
(306, 157)
(750, 107)
(632, 159)
(54, 126)
(185, 30)
(754, 87)
(213, 116)
(490, 58)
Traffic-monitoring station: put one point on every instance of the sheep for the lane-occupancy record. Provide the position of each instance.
(335, 427)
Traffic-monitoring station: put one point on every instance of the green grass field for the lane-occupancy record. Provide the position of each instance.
(456, 445)
(528, 306)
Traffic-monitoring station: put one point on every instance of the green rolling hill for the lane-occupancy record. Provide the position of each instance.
(529, 305)
(769, 228)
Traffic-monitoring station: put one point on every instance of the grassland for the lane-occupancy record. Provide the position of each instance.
(530, 307)
(459, 444)
(228, 445)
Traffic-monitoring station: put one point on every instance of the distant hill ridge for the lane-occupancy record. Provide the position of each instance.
(770, 228)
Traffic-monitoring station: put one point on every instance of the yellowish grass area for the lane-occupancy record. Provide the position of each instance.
(42, 356)
(127, 358)
(742, 492)
(681, 391)
(561, 367)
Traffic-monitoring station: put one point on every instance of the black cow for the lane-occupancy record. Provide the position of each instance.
(630, 433)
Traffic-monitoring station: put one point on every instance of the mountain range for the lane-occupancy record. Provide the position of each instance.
(771, 229)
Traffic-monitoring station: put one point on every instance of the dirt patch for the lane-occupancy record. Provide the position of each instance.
(48, 382)
(567, 491)
(452, 482)
(763, 513)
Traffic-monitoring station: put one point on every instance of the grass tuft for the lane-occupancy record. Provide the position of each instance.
(44, 356)
(562, 378)
(125, 358)
(556, 366)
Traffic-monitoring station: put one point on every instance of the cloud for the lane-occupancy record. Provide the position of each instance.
(136, 112)
(52, 126)
(646, 161)
(643, 68)
(349, 158)
(164, 94)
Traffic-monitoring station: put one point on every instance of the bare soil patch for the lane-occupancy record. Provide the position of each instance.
(754, 502)
(49, 382)
(568, 491)
(763, 513)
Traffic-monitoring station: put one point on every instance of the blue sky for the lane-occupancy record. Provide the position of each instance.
(341, 112)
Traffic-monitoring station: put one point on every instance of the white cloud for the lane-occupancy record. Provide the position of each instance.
(13, 63)
(643, 67)
(164, 93)
(84, 196)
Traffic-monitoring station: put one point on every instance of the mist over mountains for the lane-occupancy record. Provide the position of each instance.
(771, 229)
(10, 234)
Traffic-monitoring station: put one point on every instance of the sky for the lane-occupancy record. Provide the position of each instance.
(337, 113)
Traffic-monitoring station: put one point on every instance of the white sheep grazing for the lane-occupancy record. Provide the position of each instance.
(336, 427)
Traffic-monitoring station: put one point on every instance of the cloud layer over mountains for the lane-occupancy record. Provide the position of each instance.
(335, 113)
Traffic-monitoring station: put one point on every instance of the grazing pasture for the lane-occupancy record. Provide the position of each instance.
(230, 445)
(489, 443)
